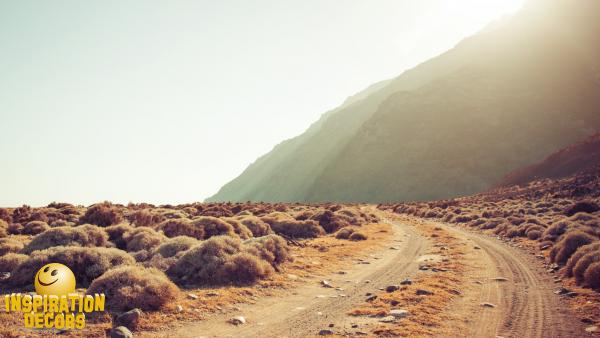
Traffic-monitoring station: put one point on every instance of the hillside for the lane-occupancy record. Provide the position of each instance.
(565, 162)
(451, 126)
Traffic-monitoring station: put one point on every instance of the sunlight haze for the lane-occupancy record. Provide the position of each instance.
(166, 101)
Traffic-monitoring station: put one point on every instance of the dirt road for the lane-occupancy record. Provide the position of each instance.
(522, 292)
(313, 307)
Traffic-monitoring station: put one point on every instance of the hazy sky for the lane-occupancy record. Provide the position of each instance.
(166, 101)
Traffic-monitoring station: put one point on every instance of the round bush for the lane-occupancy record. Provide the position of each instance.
(256, 225)
(86, 235)
(142, 238)
(217, 261)
(34, 228)
(213, 226)
(240, 229)
(10, 261)
(103, 214)
(592, 276)
(181, 227)
(583, 263)
(271, 248)
(9, 245)
(86, 263)
(358, 236)
(116, 233)
(581, 251)
(561, 252)
(297, 229)
(534, 234)
(174, 245)
(130, 287)
(344, 233)
(582, 206)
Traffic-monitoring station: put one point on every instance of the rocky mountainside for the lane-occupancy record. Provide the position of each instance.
(454, 125)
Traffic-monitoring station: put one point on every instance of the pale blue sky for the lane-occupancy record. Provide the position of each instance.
(165, 101)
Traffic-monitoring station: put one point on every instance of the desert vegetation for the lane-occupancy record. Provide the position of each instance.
(142, 255)
(559, 217)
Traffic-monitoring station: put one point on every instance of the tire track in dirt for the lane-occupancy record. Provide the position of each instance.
(311, 308)
(526, 304)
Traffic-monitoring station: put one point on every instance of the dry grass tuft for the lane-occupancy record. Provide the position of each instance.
(102, 214)
(86, 235)
(130, 287)
(87, 263)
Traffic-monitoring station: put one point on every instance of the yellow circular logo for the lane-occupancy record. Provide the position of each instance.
(54, 279)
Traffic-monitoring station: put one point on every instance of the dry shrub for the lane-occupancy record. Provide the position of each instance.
(358, 236)
(582, 217)
(514, 232)
(142, 238)
(10, 261)
(116, 233)
(144, 218)
(330, 221)
(350, 215)
(561, 252)
(9, 245)
(130, 287)
(3, 228)
(86, 263)
(5, 215)
(61, 223)
(256, 225)
(86, 236)
(581, 251)
(298, 229)
(175, 245)
(344, 233)
(217, 261)
(240, 229)
(22, 214)
(556, 230)
(102, 214)
(592, 276)
(582, 206)
(534, 234)
(271, 248)
(34, 228)
(583, 263)
(181, 227)
(213, 226)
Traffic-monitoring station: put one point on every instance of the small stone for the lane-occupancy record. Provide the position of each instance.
(179, 308)
(212, 294)
(341, 272)
(354, 326)
(237, 320)
(476, 247)
(326, 284)
(398, 313)
(192, 296)
(388, 319)
(500, 279)
(331, 325)
(371, 298)
(120, 332)
(562, 291)
(129, 319)
(392, 288)
(325, 333)
(593, 328)
(422, 292)
(407, 281)
(487, 305)
(291, 276)
(394, 302)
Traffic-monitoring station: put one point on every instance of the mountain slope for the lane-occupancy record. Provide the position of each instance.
(454, 125)
(565, 162)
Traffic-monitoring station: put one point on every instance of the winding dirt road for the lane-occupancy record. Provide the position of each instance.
(313, 307)
(524, 304)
